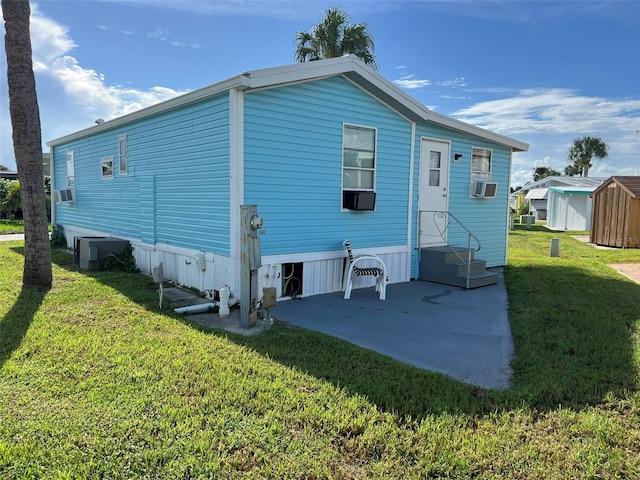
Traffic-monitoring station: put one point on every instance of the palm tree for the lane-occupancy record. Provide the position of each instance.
(584, 149)
(334, 37)
(27, 142)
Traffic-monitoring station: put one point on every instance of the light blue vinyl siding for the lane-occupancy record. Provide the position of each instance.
(293, 167)
(486, 218)
(177, 189)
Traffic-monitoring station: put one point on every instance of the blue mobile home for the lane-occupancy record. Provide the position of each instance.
(327, 150)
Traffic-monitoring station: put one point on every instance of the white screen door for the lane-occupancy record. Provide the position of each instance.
(434, 191)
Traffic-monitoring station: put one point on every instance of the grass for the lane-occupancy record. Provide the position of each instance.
(11, 226)
(96, 382)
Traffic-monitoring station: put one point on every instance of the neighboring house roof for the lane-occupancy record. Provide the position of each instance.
(564, 180)
(537, 194)
(8, 175)
(628, 183)
(573, 190)
(348, 66)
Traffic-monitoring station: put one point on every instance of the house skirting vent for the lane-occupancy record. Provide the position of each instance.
(292, 279)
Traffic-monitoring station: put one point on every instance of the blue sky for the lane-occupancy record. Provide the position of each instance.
(541, 72)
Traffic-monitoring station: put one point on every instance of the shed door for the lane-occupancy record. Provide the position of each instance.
(434, 192)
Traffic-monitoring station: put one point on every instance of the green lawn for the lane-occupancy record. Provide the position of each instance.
(11, 226)
(97, 382)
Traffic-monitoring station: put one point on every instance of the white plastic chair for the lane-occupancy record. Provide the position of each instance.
(380, 272)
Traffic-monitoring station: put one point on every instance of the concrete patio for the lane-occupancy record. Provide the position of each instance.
(462, 333)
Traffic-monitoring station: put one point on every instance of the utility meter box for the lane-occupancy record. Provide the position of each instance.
(269, 297)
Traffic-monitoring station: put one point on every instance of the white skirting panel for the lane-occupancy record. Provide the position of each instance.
(180, 265)
(324, 274)
(185, 267)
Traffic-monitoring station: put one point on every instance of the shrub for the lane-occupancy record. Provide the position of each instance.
(57, 237)
(524, 209)
(125, 261)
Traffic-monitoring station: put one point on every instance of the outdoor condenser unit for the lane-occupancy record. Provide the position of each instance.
(89, 250)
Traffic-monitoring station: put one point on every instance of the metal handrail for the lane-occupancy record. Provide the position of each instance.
(447, 216)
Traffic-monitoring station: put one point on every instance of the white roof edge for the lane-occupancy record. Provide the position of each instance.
(446, 121)
(299, 72)
(180, 100)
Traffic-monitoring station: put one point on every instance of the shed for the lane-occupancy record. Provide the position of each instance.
(569, 208)
(615, 219)
(540, 194)
(537, 198)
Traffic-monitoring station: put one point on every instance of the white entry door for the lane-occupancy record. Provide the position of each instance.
(434, 192)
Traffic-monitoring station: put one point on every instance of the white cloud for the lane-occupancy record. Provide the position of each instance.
(557, 110)
(49, 40)
(456, 82)
(550, 119)
(71, 96)
(163, 34)
(410, 82)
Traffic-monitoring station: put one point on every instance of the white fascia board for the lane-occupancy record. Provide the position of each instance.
(429, 115)
(267, 77)
(459, 125)
(239, 82)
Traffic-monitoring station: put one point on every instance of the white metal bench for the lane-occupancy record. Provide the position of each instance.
(353, 268)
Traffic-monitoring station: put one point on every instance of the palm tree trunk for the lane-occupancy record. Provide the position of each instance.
(27, 142)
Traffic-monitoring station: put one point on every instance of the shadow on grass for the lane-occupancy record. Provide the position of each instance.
(16, 322)
(137, 287)
(572, 331)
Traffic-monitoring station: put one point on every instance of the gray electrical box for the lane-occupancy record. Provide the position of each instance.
(91, 249)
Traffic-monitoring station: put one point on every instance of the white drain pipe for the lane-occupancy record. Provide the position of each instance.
(199, 308)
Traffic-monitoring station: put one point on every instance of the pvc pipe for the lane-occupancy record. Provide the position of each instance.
(199, 308)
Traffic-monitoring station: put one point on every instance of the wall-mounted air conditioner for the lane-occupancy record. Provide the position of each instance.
(64, 196)
(484, 189)
(358, 200)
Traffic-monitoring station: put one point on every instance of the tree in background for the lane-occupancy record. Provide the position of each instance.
(544, 172)
(27, 142)
(573, 170)
(10, 201)
(3, 168)
(334, 37)
(582, 151)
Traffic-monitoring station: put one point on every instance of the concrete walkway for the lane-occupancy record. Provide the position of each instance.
(11, 237)
(462, 333)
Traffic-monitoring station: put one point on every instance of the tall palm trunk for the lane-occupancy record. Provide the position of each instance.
(27, 142)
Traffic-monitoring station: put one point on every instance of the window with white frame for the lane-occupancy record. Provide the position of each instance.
(480, 164)
(71, 175)
(106, 165)
(123, 154)
(358, 158)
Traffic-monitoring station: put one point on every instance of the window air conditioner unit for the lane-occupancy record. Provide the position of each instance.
(64, 196)
(484, 189)
(358, 200)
